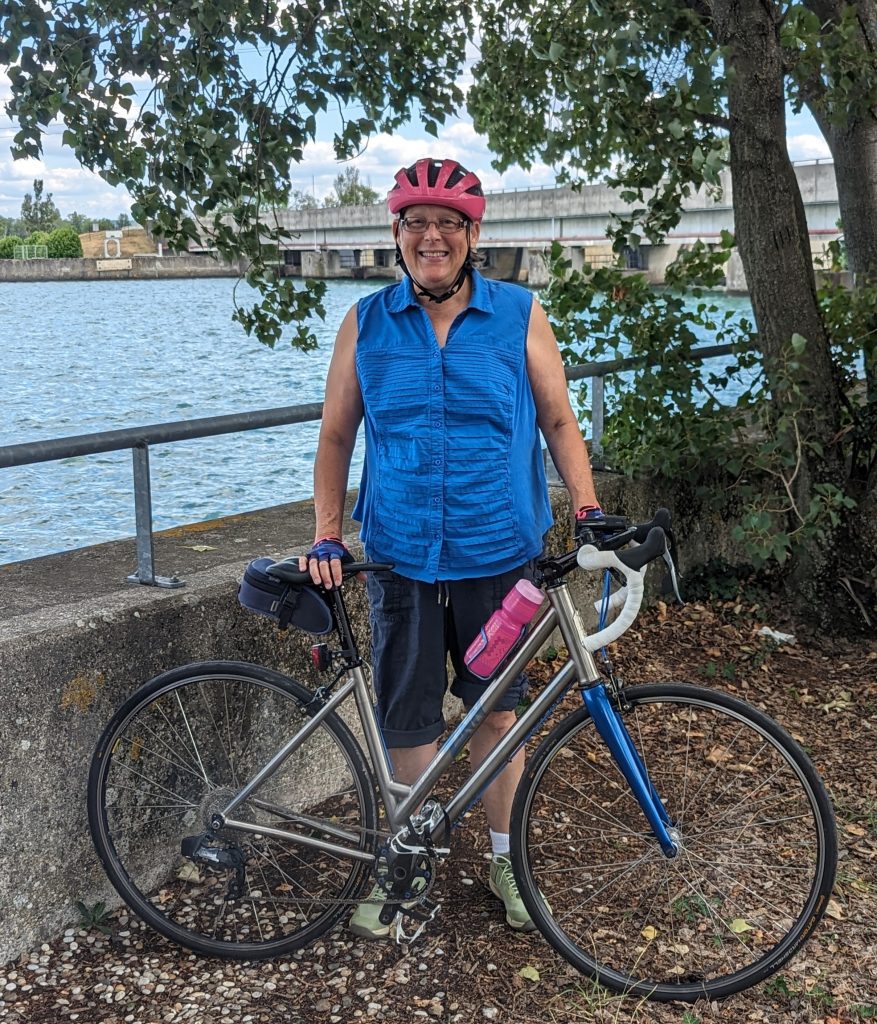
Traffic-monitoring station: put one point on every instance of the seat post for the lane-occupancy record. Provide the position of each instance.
(348, 641)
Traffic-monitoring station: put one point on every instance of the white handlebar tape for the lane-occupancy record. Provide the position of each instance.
(590, 558)
(616, 600)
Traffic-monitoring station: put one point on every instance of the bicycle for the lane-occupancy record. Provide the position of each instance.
(670, 841)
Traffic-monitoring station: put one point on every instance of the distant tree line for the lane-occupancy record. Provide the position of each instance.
(40, 223)
(348, 190)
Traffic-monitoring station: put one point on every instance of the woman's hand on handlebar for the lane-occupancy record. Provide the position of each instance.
(592, 525)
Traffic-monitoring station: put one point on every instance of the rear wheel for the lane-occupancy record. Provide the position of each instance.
(754, 826)
(175, 755)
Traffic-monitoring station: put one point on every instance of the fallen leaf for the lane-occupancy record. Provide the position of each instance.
(201, 547)
(649, 932)
(530, 973)
(855, 830)
(833, 910)
(738, 926)
(718, 754)
(189, 873)
(840, 703)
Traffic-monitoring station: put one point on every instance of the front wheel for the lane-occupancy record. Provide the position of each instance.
(174, 756)
(757, 847)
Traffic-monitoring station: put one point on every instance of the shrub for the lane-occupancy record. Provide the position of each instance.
(64, 243)
(7, 245)
(37, 238)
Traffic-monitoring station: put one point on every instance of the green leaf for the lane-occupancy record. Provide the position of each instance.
(739, 926)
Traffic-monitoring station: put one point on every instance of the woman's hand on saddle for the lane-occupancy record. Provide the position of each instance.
(323, 561)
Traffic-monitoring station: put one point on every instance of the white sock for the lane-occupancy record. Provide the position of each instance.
(499, 841)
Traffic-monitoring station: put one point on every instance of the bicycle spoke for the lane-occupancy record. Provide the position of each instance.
(148, 781)
(218, 732)
(593, 803)
(191, 737)
(172, 757)
(175, 734)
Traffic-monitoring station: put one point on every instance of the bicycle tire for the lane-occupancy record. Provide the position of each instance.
(757, 859)
(174, 754)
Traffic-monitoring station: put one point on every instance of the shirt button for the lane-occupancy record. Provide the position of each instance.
(436, 387)
(436, 501)
(437, 462)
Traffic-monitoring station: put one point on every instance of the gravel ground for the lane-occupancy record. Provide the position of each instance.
(468, 966)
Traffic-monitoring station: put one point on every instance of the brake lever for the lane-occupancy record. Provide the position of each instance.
(671, 572)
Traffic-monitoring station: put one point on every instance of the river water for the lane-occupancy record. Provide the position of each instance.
(77, 357)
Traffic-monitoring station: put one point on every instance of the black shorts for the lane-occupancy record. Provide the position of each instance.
(415, 626)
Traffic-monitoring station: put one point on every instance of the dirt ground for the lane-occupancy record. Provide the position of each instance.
(469, 966)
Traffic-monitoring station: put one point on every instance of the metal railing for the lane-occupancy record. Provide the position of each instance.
(138, 440)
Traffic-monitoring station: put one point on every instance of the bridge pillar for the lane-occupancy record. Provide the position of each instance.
(537, 268)
(657, 259)
(313, 264)
(735, 277)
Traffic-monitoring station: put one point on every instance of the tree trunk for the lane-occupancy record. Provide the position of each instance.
(851, 134)
(774, 243)
(770, 226)
(854, 150)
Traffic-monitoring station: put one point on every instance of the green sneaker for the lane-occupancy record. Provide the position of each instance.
(503, 885)
(365, 920)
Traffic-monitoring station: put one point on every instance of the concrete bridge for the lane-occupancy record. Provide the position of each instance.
(520, 224)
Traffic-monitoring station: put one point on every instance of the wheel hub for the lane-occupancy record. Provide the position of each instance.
(213, 804)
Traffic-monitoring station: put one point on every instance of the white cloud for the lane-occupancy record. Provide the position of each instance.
(808, 146)
(72, 186)
(385, 154)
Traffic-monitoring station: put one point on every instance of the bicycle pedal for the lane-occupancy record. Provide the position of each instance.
(424, 912)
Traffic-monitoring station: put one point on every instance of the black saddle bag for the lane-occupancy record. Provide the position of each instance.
(286, 603)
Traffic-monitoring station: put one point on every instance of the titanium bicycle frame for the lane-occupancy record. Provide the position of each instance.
(402, 801)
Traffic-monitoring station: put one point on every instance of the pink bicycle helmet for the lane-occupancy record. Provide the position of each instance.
(438, 183)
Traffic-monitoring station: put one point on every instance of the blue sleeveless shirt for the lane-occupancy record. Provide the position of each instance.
(453, 485)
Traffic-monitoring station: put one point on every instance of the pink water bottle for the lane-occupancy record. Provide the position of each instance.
(503, 629)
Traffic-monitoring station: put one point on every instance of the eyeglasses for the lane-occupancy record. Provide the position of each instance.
(446, 225)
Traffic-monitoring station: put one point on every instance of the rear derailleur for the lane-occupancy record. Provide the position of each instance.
(227, 858)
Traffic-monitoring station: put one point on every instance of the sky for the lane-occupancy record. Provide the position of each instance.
(75, 188)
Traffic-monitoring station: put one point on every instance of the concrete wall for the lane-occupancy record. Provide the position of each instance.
(76, 640)
(135, 267)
